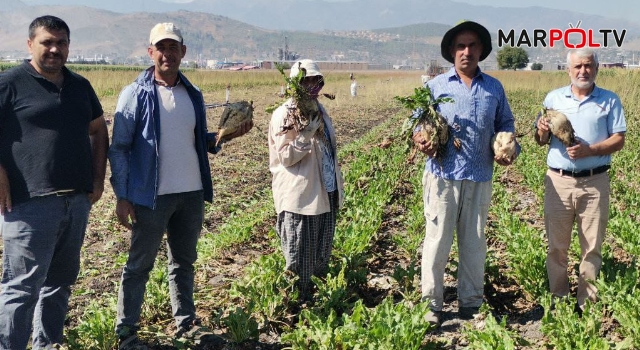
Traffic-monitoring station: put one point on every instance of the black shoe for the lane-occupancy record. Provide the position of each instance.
(131, 342)
(578, 310)
(196, 333)
(468, 313)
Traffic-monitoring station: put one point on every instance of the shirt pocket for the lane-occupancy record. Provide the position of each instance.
(486, 110)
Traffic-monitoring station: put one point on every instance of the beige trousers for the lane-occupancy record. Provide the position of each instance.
(460, 206)
(585, 201)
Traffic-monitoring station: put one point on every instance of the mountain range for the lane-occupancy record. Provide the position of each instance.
(377, 31)
(318, 15)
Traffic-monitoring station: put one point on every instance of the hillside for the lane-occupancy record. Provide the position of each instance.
(123, 37)
(318, 15)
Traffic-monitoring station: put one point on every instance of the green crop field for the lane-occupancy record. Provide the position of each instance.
(371, 298)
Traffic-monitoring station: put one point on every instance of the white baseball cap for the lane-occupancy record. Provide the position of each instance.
(163, 31)
(308, 65)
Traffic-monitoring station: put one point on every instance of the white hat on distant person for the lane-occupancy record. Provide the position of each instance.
(163, 31)
(308, 65)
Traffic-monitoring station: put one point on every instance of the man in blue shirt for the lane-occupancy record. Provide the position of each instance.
(161, 176)
(577, 183)
(457, 185)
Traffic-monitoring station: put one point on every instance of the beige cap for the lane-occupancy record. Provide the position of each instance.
(163, 31)
(308, 65)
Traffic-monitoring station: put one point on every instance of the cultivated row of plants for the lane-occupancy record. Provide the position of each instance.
(265, 299)
(609, 323)
(339, 317)
(344, 315)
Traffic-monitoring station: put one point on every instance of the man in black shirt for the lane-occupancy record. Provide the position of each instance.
(53, 144)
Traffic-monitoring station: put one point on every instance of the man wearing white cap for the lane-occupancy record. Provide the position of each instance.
(457, 188)
(161, 178)
(307, 183)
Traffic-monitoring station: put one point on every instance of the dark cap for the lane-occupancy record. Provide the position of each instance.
(448, 37)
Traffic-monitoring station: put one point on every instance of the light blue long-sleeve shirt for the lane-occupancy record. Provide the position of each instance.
(474, 116)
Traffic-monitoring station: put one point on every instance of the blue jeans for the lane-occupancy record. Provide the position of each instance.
(42, 239)
(181, 216)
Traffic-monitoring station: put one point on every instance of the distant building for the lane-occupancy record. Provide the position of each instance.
(92, 60)
(323, 65)
(612, 65)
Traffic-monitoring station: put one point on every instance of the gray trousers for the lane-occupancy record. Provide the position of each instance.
(306, 242)
(41, 260)
(180, 215)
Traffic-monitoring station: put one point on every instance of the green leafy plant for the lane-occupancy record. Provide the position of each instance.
(387, 326)
(267, 287)
(619, 290)
(241, 326)
(431, 124)
(293, 87)
(157, 293)
(565, 329)
(96, 327)
(305, 107)
(407, 280)
(333, 293)
(493, 336)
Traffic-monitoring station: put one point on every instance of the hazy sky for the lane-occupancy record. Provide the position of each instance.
(627, 9)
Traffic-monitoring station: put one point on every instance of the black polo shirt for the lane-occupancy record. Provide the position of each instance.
(44, 132)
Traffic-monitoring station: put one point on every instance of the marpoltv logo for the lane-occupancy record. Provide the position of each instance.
(573, 38)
